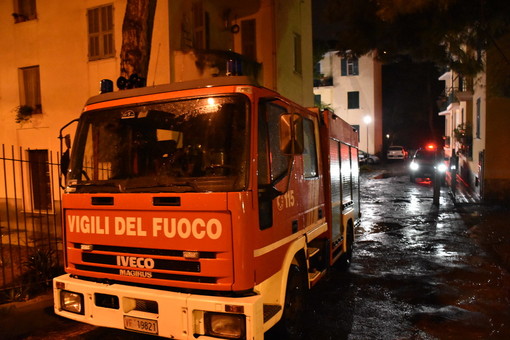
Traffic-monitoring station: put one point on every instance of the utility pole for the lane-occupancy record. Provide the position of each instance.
(437, 178)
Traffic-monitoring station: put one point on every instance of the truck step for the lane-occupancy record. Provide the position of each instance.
(312, 251)
(314, 276)
(270, 311)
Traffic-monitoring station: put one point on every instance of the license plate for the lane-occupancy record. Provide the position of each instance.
(140, 325)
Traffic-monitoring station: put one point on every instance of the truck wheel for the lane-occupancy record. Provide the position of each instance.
(345, 259)
(292, 322)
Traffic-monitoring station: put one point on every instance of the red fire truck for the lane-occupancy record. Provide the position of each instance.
(203, 209)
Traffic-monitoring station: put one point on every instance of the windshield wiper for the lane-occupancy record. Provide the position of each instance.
(96, 187)
(172, 187)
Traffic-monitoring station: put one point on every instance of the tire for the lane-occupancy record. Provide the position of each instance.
(345, 260)
(291, 326)
(370, 161)
(412, 179)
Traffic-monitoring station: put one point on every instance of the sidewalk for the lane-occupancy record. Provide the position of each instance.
(487, 224)
(19, 320)
(462, 194)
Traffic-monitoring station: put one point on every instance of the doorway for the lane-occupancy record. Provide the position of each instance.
(40, 179)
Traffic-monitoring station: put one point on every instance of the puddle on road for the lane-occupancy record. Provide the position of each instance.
(378, 227)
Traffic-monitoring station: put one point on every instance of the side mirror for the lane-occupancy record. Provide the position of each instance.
(64, 162)
(65, 155)
(65, 158)
(67, 140)
(291, 134)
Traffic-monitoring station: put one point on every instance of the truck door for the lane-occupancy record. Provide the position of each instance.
(273, 164)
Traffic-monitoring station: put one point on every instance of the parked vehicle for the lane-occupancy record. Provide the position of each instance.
(426, 162)
(396, 152)
(366, 158)
(204, 210)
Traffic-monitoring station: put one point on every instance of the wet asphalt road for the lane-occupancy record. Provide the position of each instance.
(417, 273)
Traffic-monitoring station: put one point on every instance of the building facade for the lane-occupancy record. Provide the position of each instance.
(477, 122)
(352, 88)
(55, 53)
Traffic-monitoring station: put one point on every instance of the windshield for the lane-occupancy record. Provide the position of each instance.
(428, 156)
(195, 144)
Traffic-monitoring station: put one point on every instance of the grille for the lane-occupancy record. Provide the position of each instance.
(146, 251)
(182, 266)
(155, 275)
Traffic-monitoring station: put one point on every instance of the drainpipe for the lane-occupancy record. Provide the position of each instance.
(273, 57)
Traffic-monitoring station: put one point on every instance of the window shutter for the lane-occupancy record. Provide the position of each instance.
(343, 64)
(355, 68)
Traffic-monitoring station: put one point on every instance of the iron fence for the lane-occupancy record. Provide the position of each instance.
(30, 223)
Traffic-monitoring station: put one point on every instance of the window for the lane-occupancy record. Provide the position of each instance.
(272, 163)
(478, 118)
(349, 67)
(100, 22)
(353, 100)
(356, 127)
(317, 100)
(24, 10)
(200, 26)
(310, 150)
(30, 88)
(317, 69)
(297, 54)
(249, 41)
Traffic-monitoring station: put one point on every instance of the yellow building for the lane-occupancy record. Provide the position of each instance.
(352, 88)
(56, 52)
(477, 122)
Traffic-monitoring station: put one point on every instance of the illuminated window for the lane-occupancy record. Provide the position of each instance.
(100, 22)
(24, 10)
(30, 88)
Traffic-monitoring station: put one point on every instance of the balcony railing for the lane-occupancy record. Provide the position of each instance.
(323, 81)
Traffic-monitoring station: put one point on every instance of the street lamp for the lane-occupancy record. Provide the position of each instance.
(367, 119)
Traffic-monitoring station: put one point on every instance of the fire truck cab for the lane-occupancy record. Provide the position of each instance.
(204, 209)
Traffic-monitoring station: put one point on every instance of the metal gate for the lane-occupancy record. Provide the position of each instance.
(30, 225)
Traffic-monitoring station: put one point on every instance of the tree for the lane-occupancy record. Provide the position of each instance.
(445, 32)
(136, 38)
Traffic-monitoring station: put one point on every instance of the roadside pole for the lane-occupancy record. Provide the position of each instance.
(453, 173)
(437, 180)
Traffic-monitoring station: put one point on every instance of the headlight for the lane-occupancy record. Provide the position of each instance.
(414, 166)
(441, 167)
(71, 302)
(230, 326)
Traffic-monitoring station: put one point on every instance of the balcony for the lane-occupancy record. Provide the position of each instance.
(464, 92)
(200, 64)
(323, 81)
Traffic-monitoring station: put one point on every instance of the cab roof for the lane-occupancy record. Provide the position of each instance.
(187, 85)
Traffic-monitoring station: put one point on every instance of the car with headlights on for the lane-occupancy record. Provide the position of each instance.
(425, 162)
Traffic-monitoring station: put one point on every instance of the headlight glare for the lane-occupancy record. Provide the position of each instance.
(71, 302)
(441, 167)
(414, 166)
(230, 326)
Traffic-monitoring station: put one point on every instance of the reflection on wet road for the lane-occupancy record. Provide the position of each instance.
(416, 272)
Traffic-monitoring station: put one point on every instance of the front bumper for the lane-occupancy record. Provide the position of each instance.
(176, 315)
